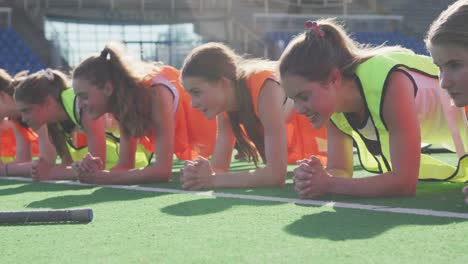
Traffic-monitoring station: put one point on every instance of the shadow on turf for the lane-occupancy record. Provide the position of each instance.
(349, 224)
(100, 195)
(210, 206)
(4, 182)
(433, 196)
(26, 187)
(443, 196)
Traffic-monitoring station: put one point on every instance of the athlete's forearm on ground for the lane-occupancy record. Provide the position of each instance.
(62, 172)
(19, 169)
(260, 177)
(383, 185)
(153, 173)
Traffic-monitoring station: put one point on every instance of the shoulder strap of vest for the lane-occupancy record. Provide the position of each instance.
(68, 100)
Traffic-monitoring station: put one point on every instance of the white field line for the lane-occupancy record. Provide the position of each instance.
(379, 208)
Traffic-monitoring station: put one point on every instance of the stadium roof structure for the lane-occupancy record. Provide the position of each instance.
(127, 11)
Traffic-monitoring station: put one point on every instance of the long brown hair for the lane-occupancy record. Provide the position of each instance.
(131, 100)
(450, 26)
(34, 89)
(314, 54)
(213, 61)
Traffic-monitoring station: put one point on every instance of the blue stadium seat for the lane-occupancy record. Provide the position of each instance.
(15, 55)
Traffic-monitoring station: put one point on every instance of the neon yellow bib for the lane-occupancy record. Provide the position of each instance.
(373, 75)
(69, 101)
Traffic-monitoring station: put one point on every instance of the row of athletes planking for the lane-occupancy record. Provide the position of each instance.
(385, 101)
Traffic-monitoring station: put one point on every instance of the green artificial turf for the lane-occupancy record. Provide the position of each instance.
(132, 226)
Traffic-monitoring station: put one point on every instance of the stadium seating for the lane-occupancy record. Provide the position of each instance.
(375, 38)
(15, 55)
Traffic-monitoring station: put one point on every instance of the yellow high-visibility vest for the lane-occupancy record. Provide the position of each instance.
(373, 75)
(69, 101)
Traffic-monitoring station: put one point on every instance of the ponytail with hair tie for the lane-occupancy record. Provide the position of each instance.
(313, 27)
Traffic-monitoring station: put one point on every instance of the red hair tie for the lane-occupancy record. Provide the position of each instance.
(312, 26)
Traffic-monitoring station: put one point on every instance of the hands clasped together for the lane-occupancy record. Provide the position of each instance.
(197, 174)
(88, 169)
(311, 180)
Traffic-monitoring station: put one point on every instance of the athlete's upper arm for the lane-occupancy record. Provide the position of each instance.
(225, 140)
(272, 117)
(401, 118)
(95, 133)
(164, 119)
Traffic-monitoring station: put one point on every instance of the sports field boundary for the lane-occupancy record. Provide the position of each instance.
(368, 207)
